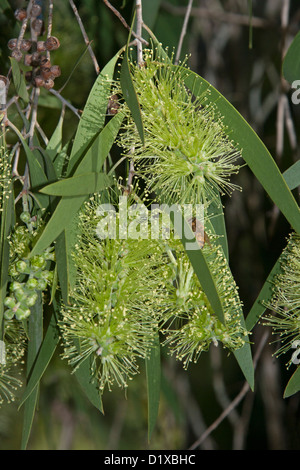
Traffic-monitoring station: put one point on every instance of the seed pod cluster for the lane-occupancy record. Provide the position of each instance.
(35, 53)
(43, 73)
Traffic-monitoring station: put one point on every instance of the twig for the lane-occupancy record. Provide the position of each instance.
(139, 24)
(85, 37)
(123, 21)
(33, 116)
(222, 16)
(183, 31)
(245, 389)
(50, 20)
(65, 102)
(24, 25)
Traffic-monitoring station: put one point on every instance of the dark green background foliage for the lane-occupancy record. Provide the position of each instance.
(251, 80)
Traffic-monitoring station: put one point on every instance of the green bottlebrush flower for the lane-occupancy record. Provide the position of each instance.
(193, 325)
(285, 303)
(12, 350)
(129, 288)
(112, 319)
(187, 156)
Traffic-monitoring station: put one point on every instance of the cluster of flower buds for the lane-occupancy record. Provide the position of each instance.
(35, 53)
(29, 277)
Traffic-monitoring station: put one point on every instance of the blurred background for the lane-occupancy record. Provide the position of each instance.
(244, 63)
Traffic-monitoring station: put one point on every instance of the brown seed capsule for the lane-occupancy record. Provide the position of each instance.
(36, 10)
(40, 46)
(12, 43)
(49, 84)
(28, 59)
(25, 45)
(20, 14)
(55, 70)
(39, 81)
(46, 72)
(44, 62)
(52, 43)
(35, 59)
(38, 26)
(17, 54)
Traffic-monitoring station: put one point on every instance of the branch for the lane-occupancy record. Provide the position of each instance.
(222, 16)
(124, 23)
(183, 31)
(65, 102)
(85, 37)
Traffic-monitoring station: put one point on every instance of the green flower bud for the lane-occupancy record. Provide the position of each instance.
(25, 217)
(13, 272)
(20, 294)
(47, 275)
(16, 285)
(9, 302)
(37, 262)
(31, 283)
(9, 314)
(22, 266)
(31, 299)
(22, 314)
(41, 284)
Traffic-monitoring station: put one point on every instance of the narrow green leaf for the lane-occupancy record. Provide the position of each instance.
(65, 265)
(6, 223)
(153, 373)
(61, 159)
(93, 117)
(35, 332)
(293, 385)
(37, 173)
(243, 357)
(130, 96)
(264, 296)
(19, 80)
(44, 356)
(62, 264)
(291, 63)
(217, 220)
(88, 384)
(68, 207)
(292, 175)
(54, 145)
(29, 412)
(207, 281)
(197, 260)
(80, 185)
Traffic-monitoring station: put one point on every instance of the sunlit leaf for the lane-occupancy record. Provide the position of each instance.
(293, 385)
(80, 185)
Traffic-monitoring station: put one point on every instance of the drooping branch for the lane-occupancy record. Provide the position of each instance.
(85, 36)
